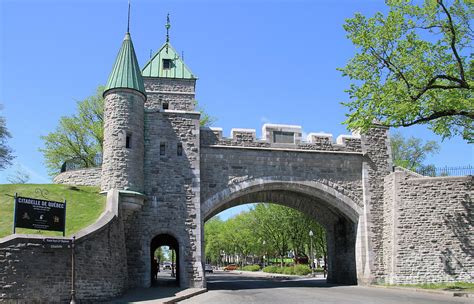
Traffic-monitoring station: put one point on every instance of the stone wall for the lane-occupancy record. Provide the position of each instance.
(122, 166)
(80, 177)
(428, 229)
(29, 272)
(247, 138)
(178, 94)
(172, 189)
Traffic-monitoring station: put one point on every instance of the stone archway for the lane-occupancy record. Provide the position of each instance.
(338, 214)
(170, 241)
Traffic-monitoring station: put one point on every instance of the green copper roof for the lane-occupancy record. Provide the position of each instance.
(126, 72)
(173, 68)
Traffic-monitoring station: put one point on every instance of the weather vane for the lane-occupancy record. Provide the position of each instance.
(168, 25)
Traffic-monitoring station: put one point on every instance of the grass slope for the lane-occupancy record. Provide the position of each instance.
(83, 205)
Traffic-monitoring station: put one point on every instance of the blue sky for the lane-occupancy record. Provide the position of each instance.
(258, 61)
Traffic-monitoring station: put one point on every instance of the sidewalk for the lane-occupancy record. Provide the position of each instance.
(156, 295)
(460, 293)
(271, 275)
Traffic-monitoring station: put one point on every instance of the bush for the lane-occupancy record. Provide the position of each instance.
(251, 268)
(288, 270)
(301, 269)
(271, 269)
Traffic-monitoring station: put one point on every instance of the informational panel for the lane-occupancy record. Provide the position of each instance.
(40, 214)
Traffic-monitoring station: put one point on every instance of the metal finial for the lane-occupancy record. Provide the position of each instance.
(128, 21)
(168, 25)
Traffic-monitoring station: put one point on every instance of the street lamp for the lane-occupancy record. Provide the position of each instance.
(311, 252)
(263, 243)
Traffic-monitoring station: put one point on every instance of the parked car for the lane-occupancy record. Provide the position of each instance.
(166, 265)
(231, 267)
(208, 268)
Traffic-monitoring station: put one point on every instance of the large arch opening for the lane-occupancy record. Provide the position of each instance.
(337, 213)
(164, 271)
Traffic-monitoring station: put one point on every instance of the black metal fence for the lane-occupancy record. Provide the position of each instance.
(78, 163)
(446, 171)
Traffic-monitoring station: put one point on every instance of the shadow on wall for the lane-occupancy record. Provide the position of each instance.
(461, 223)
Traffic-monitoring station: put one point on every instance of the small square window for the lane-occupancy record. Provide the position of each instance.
(162, 149)
(167, 64)
(165, 105)
(128, 141)
(180, 150)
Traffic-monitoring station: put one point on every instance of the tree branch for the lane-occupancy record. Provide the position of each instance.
(434, 116)
(453, 40)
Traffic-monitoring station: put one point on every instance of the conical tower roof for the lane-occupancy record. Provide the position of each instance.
(126, 72)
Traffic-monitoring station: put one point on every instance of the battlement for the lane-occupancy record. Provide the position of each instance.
(281, 136)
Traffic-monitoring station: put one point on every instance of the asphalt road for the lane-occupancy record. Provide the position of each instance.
(230, 288)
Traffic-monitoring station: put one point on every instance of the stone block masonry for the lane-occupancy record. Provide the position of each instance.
(428, 229)
(80, 177)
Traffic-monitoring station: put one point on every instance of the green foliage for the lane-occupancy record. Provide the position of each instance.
(289, 270)
(413, 67)
(271, 269)
(267, 229)
(301, 269)
(251, 268)
(410, 153)
(78, 137)
(84, 205)
(6, 155)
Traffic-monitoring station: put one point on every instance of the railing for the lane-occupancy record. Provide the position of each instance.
(446, 171)
(78, 163)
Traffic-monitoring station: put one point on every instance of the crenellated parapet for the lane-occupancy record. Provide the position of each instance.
(276, 136)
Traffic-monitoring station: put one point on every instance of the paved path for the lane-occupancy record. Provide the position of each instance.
(230, 288)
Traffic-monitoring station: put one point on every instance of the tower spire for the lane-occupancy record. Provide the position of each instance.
(128, 20)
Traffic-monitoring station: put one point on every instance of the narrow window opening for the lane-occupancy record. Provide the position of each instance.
(162, 149)
(180, 149)
(128, 141)
(167, 64)
(165, 105)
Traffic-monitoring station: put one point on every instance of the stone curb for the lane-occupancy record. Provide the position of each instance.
(432, 291)
(185, 294)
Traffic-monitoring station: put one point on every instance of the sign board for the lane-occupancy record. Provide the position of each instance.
(57, 243)
(40, 214)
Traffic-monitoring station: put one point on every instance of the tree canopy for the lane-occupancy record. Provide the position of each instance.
(414, 65)
(266, 229)
(6, 155)
(410, 153)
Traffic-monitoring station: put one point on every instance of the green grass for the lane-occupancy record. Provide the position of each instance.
(463, 286)
(251, 268)
(83, 205)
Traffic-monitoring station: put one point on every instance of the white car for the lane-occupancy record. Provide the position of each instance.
(208, 268)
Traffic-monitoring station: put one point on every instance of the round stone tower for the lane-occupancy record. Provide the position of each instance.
(123, 150)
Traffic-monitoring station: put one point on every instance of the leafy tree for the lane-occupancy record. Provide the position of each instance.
(6, 155)
(413, 67)
(410, 153)
(20, 176)
(79, 138)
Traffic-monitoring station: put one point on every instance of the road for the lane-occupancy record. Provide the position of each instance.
(230, 288)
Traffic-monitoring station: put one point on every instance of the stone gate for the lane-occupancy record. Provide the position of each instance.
(164, 176)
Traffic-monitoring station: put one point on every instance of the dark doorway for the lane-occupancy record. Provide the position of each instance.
(164, 254)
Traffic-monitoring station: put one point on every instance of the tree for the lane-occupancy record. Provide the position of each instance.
(20, 176)
(412, 67)
(6, 155)
(78, 138)
(410, 153)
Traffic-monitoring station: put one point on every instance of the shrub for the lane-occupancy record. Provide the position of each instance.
(251, 268)
(271, 269)
(301, 269)
(288, 270)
